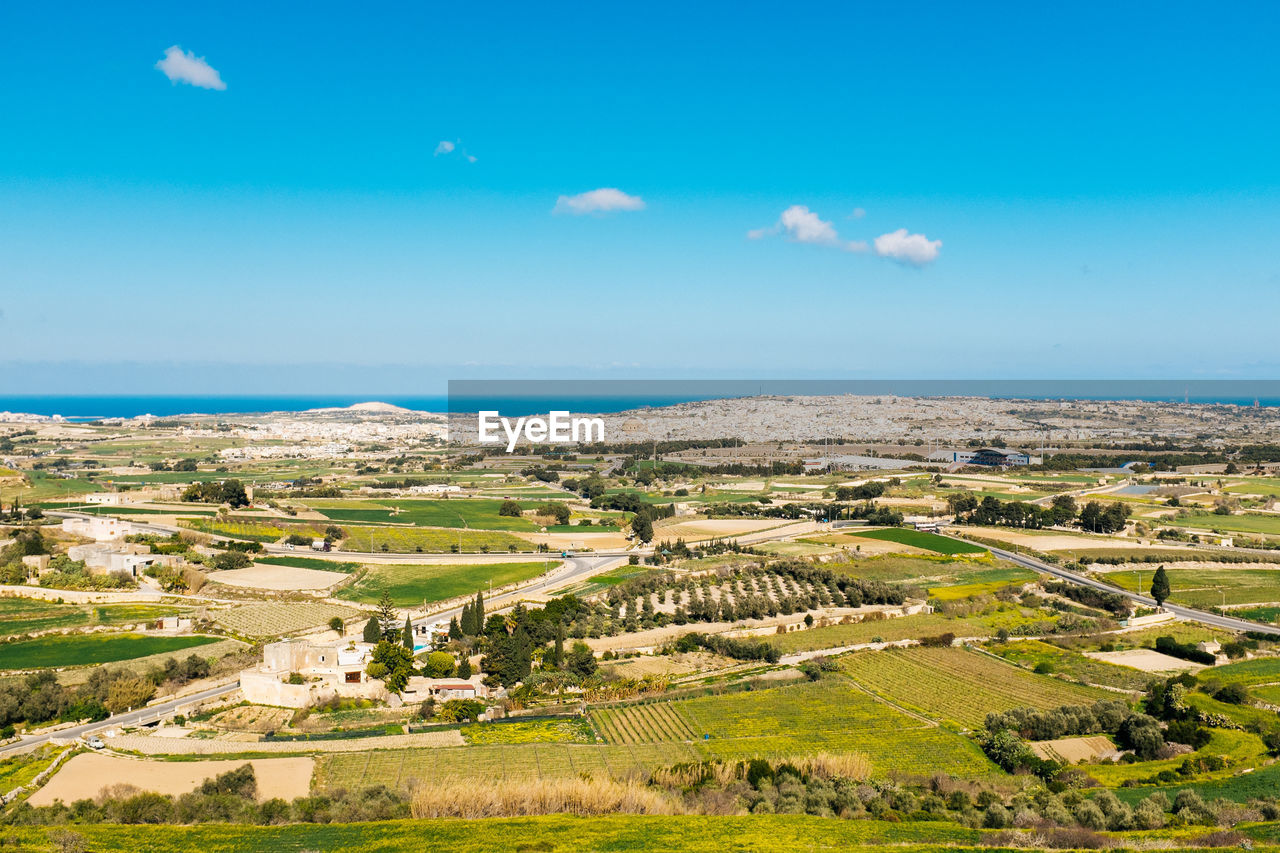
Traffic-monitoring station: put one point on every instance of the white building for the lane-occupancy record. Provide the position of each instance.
(435, 489)
(101, 528)
(106, 498)
(325, 669)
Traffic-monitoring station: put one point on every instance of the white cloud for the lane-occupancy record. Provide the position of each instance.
(799, 224)
(802, 225)
(914, 249)
(603, 200)
(444, 147)
(471, 158)
(185, 67)
(858, 213)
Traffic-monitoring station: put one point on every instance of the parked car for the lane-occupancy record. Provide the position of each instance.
(95, 742)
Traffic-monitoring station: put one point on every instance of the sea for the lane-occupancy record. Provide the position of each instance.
(529, 397)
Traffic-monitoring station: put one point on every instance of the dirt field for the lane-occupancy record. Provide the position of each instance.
(1052, 541)
(1075, 749)
(712, 527)
(86, 774)
(558, 541)
(278, 578)
(1146, 660)
(863, 546)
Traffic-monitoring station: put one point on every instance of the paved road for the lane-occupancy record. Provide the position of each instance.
(1200, 616)
(131, 718)
(571, 571)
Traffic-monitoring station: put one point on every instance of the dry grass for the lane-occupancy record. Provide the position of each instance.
(845, 765)
(519, 798)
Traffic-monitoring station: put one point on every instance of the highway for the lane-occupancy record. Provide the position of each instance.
(129, 718)
(1188, 613)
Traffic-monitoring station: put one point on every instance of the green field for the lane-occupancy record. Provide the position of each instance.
(957, 686)
(550, 834)
(410, 586)
(1208, 587)
(1264, 524)
(1257, 671)
(28, 615)
(471, 513)
(84, 649)
(1076, 666)
(252, 531)
(426, 540)
(920, 539)
(902, 628)
(567, 730)
(983, 582)
(309, 563)
(794, 720)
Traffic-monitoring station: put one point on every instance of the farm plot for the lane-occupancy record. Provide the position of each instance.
(85, 649)
(1209, 586)
(277, 618)
(654, 723)
(1258, 671)
(922, 540)
(470, 513)
(426, 540)
(827, 716)
(402, 767)
(413, 585)
(28, 615)
(1032, 653)
(958, 686)
(252, 531)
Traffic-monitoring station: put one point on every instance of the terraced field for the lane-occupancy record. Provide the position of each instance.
(922, 540)
(642, 724)
(1258, 671)
(957, 686)
(1207, 586)
(276, 618)
(1030, 653)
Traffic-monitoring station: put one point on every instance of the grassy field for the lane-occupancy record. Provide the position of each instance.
(252, 531)
(1207, 587)
(1242, 750)
(1257, 671)
(1076, 666)
(568, 730)
(410, 540)
(550, 834)
(1263, 782)
(471, 513)
(903, 628)
(309, 563)
(84, 649)
(1264, 524)
(920, 539)
(28, 615)
(21, 769)
(958, 686)
(983, 582)
(410, 586)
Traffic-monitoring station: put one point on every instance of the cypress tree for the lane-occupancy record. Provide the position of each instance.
(455, 632)
(468, 625)
(464, 667)
(406, 636)
(1160, 588)
(479, 613)
(372, 630)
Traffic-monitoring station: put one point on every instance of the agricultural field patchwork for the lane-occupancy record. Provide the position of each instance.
(1208, 586)
(412, 586)
(957, 686)
(277, 618)
(921, 539)
(1032, 653)
(426, 540)
(61, 650)
(29, 615)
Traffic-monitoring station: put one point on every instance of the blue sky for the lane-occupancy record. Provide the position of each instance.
(1090, 190)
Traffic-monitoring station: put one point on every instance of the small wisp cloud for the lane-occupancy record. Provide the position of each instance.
(183, 66)
(445, 147)
(799, 224)
(603, 200)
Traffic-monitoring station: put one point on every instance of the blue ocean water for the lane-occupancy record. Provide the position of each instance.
(516, 398)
